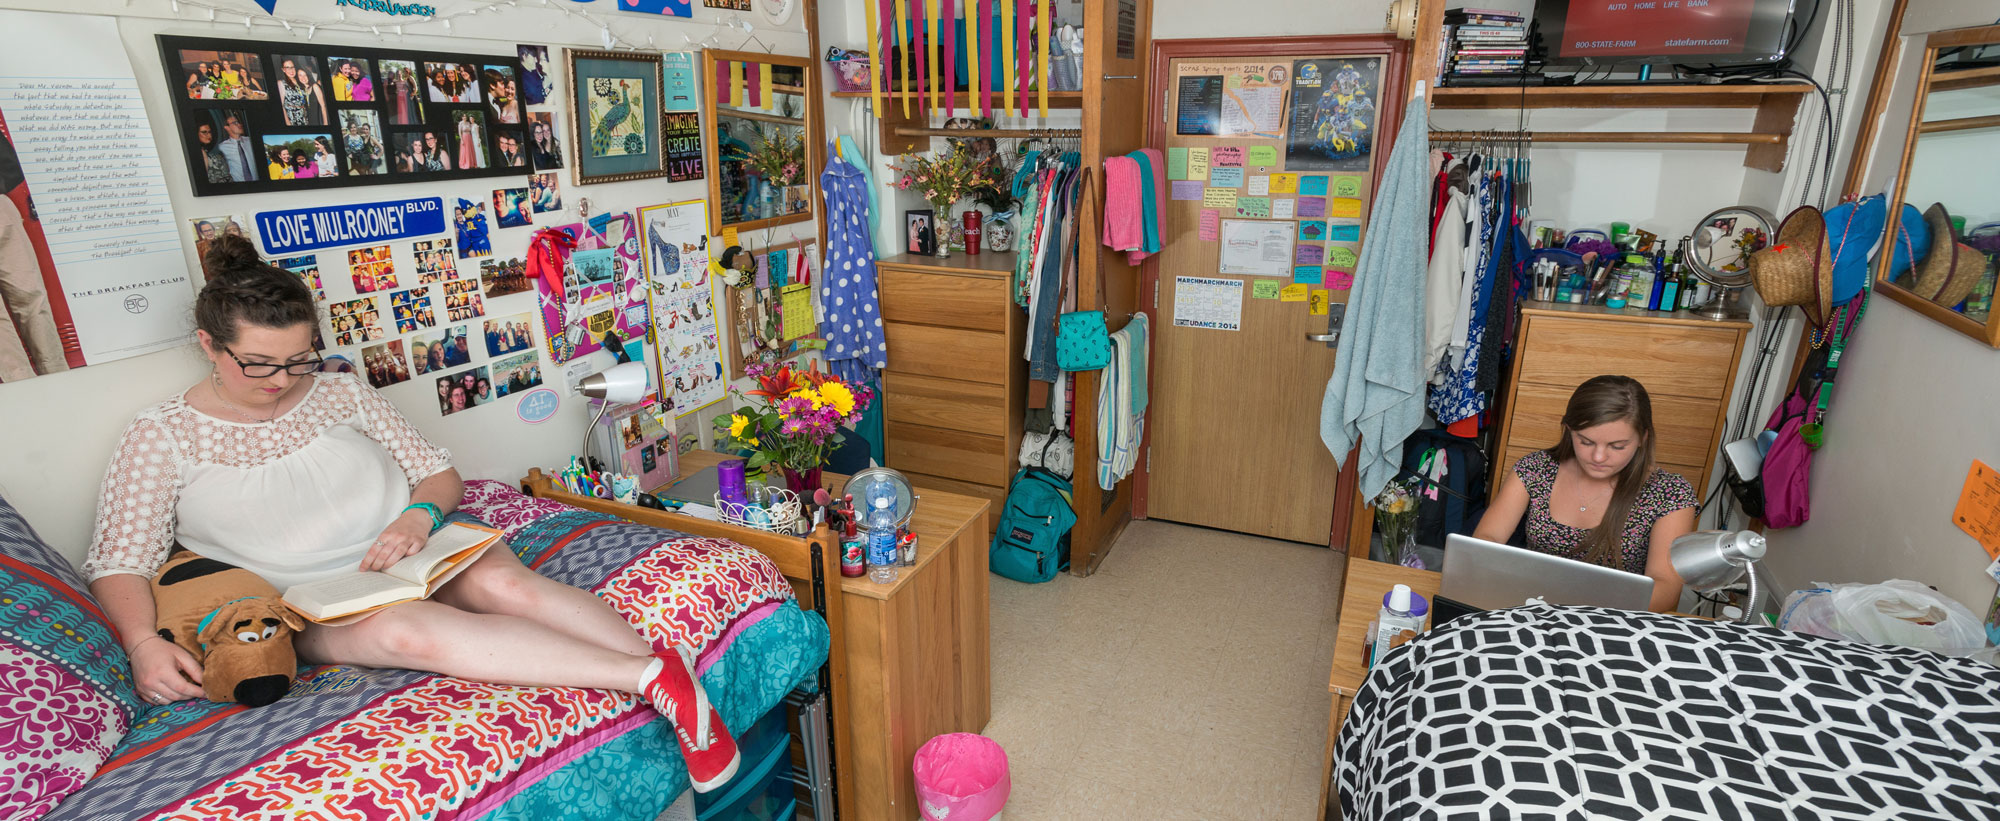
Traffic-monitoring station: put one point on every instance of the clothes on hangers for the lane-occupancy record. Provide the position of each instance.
(1056, 271)
(1457, 396)
(1446, 275)
(855, 345)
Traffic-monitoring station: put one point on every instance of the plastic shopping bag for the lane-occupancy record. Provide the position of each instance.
(1898, 611)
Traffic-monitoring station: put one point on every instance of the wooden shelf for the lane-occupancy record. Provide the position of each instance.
(1625, 96)
(1966, 78)
(966, 99)
(985, 264)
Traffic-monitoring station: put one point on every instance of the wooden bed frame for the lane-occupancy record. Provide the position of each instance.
(811, 563)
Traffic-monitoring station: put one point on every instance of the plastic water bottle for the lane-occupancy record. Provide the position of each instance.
(882, 541)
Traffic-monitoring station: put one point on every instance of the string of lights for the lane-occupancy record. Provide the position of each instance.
(312, 26)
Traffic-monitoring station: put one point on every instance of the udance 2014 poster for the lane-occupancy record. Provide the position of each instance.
(90, 256)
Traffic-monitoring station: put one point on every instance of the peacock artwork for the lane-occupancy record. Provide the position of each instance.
(617, 117)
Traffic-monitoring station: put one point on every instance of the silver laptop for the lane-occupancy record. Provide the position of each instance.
(1485, 575)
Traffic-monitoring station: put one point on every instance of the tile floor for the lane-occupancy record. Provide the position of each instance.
(1186, 679)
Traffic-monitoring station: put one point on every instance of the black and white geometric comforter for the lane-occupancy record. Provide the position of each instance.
(1587, 713)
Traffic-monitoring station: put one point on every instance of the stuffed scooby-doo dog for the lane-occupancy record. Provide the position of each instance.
(233, 623)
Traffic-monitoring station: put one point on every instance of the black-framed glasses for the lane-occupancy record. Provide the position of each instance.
(259, 370)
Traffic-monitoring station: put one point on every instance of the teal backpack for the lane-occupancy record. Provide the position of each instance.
(1031, 540)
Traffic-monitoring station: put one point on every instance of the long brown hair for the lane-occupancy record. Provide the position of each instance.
(1611, 399)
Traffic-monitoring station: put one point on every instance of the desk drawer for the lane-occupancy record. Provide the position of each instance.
(967, 457)
(1684, 429)
(952, 404)
(978, 303)
(951, 353)
(1676, 360)
(1690, 472)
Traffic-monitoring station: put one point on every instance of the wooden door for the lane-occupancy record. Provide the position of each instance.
(1240, 287)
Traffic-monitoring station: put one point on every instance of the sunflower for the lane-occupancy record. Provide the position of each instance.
(837, 395)
(738, 424)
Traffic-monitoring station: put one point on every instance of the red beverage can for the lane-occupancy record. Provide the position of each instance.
(972, 243)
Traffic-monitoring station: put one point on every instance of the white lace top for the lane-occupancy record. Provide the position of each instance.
(298, 499)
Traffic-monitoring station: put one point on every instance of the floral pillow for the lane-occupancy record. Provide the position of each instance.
(66, 694)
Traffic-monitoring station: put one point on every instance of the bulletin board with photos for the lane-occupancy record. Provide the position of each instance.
(258, 116)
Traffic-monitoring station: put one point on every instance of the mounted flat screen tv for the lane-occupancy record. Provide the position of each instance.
(1661, 32)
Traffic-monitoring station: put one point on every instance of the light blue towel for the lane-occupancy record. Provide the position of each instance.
(1376, 395)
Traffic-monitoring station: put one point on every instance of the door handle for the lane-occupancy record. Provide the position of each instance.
(1332, 337)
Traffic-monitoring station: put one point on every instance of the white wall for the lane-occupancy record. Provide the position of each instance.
(57, 431)
(1180, 19)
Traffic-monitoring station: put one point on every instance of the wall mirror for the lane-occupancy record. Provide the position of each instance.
(1949, 176)
(760, 153)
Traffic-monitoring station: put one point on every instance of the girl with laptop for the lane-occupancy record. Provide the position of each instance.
(1596, 496)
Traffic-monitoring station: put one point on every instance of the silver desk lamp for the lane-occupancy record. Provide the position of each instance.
(1709, 560)
(620, 384)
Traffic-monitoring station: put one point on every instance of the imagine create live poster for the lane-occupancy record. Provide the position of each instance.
(1333, 114)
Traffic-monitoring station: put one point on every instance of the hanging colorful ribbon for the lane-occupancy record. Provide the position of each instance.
(877, 57)
(921, 39)
(904, 38)
(1025, 11)
(735, 83)
(1042, 61)
(766, 79)
(932, 34)
(972, 56)
(753, 83)
(983, 75)
(1007, 65)
(948, 13)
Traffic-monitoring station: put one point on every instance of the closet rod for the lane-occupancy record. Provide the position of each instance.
(1702, 137)
(988, 132)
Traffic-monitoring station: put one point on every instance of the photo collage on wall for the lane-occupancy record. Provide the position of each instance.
(272, 116)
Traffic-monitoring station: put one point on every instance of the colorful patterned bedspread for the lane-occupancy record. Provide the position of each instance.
(354, 743)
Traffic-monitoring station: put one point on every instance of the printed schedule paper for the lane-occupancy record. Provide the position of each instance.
(1208, 302)
(72, 111)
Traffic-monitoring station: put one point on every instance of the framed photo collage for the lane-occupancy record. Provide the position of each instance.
(258, 116)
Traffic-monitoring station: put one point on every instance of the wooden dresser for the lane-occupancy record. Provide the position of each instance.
(1688, 365)
(956, 382)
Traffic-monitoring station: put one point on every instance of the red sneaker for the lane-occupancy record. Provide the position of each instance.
(710, 750)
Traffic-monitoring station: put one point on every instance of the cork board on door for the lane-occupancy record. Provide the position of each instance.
(1270, 168)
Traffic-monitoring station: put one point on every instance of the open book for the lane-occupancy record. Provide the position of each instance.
(351, 598)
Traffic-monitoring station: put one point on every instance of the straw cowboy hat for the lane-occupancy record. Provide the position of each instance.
(1797, 267)
(1947, 274)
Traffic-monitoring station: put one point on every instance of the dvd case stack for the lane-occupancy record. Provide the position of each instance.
(1483, 43)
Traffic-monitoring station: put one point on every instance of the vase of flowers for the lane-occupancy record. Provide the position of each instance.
(944, 179)
(796, 423)
(1396, 520)
(780, 159)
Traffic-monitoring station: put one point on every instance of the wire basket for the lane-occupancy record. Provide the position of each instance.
(780, 513)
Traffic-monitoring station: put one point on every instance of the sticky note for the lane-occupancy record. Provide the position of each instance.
(1312, 231)
(1187, 189)
(1263, 155)
(1341, 256)
(1220, 177)
(1197, 163)
(1313, 186)
(1264, 289)
(1308, 254)
(1227, 156)
(1292, 293)
(1346, 185)
(1257, 186)
(1283, 209)
(1307, 274)
(1211, 225)
(1218, 198)
(1339, 280)
(729, 238)
(1319, 300)
(1259, 207)
(1284, 183)
(1177, 163)
(1343, 207)
(1312, 206)
(1344, 232)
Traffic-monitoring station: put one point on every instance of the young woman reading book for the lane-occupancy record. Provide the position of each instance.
(301, 476)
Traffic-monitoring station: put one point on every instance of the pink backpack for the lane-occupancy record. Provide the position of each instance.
(1787, 471)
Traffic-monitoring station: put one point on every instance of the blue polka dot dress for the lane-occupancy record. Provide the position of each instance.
(853, 317)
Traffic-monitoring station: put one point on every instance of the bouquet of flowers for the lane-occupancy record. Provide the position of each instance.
(1396, 519)
(946, 178)
(799, 422)
(780, 158)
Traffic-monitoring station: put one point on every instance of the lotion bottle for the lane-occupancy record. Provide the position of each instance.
(1402, 617)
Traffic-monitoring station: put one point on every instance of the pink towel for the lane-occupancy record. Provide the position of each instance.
(1124, 220)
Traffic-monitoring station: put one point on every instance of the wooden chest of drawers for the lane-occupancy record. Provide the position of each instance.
(954, 390)
(1687, 364)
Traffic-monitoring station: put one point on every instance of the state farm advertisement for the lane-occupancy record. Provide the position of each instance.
(1607, 28)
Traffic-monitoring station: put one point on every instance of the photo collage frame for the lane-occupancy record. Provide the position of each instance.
(258, 116)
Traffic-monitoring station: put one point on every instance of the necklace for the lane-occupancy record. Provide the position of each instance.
(215, 387)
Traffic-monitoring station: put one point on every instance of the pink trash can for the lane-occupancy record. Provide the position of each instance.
(961, 777)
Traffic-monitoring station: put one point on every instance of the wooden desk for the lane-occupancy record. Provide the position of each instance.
(918, 651)
(1360, 599)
